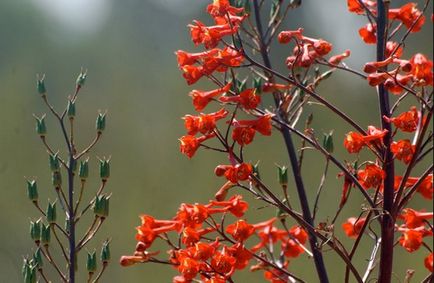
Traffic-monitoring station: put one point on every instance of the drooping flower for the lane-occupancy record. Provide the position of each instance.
(354, 141)
(412, 239)
(353, 226)
(414, 218)
(429, 262)
(369, 33)
(407, 121)
(189, 144)
(422, 69)
(403, 150)
(354, 6)
(221, 8)
(292, 246)
(209, 36)
(248, 99)
(202, 98)
(240, 230)
(371, 177)
(408, 15)
(337, 59)
(239, 172)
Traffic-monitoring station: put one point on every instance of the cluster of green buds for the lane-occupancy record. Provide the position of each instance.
(101, 205)
(71, 164)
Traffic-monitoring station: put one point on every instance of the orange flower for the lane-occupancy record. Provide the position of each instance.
(390, 46)
(411, 239)
(414, 219)
(353, 226)
(262, 124)
(408, 14)
(371, 177)
(221, 8)
(209, 36)
(422, 69)
(276, 275)
(425, 188)
(354, 142)
(354, 6)
(234, 205)
(202, 98)
(272, 87)
(429, 262)
(190, 144)
(188, 267)
(292, 247)
(192, 73)
(287, 35)
(407, 121)
(337, 59)
(239, 172)
(203, 251)
(368, 33)
(241, 255)
(205, 123)
(243, 135)
(185, 58)
(223, 263)
(248, 99)
(240, 230)
(403, 150)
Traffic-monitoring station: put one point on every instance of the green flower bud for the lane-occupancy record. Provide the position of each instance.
(101, 206)
(283, 175)
(81, 79)
(56, 179)
(40, 86)
(41, 128)
(105, 252)
(258, 83)
(71, 109)
(274, 9)
(51, 213)
(83, 171)
(241, 85)
(35, 230)
(30, 274)
(91, 262)
(246, 6)
(45, 234)
(54, 162)
(256, 170)
(37, 258)
(104, 169)
(72, 164)
(327, 142)
(100, 122)
(32, 190)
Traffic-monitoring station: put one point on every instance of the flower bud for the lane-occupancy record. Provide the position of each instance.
(35, 230)
(45, 234)
(40, 86)
(51, 214)
(56, 179)
(54, 162)
(100, 122)
(29, 272)
(327, 142)
(83, 171)
(41, 128)
(91, 262)
(101, 206)
(81, 79)
(241, 85)
(105, 252)
(258, 83)
(283, 175)
(71, 109)
(104, 169)
(256, 170)
(32, 190)
(37, 259)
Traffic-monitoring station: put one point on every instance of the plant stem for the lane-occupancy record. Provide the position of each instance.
(388, 219)
(318, 259)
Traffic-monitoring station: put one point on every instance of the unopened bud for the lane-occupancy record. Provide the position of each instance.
(37, 259)
(56, 179)
(51, 213)
(41, 128)
(71, 109)
(104, 169)
(32, 190)
(327, 142)
(283, 175)
(105, 252)
(258, 84)
(91, 262)
(83, 171)
(35, 230)
(40, 86)
(101, 206)
(45, 234)
(100, 122)
(81, 79)
(54, 162)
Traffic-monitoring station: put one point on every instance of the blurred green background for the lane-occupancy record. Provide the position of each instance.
(128, 46)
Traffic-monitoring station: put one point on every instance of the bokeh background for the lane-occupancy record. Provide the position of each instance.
(127, 47)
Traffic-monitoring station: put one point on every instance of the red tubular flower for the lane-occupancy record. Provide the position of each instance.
(354, 142)
(414, 218)
(243, 135)
(240, 230)
(139, 258)
(192, 73)
(408, 14)
(292, 247)
(426, 188)
(191, 236)
(407, 121)
(223, 263)
(286, 36)
(234, 205)
(272, 87)
(276, 275)
(403, 150)
(354, 6)
(371, 177)
(394, 84)
(429, 262)
(185, 58)
(368, 33)
(353, 226)
(422, 69)
(190, 144)
(239, 172)
(337, 59)
(207, 122)
(202, 98)
(221, 7)
(188, 267)
(241, 255)
(248, 99)
(203, 251)
(209, 36)
(262, 124)
(411, 239)
(192, 215)
(390, 47)
(375, 79)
